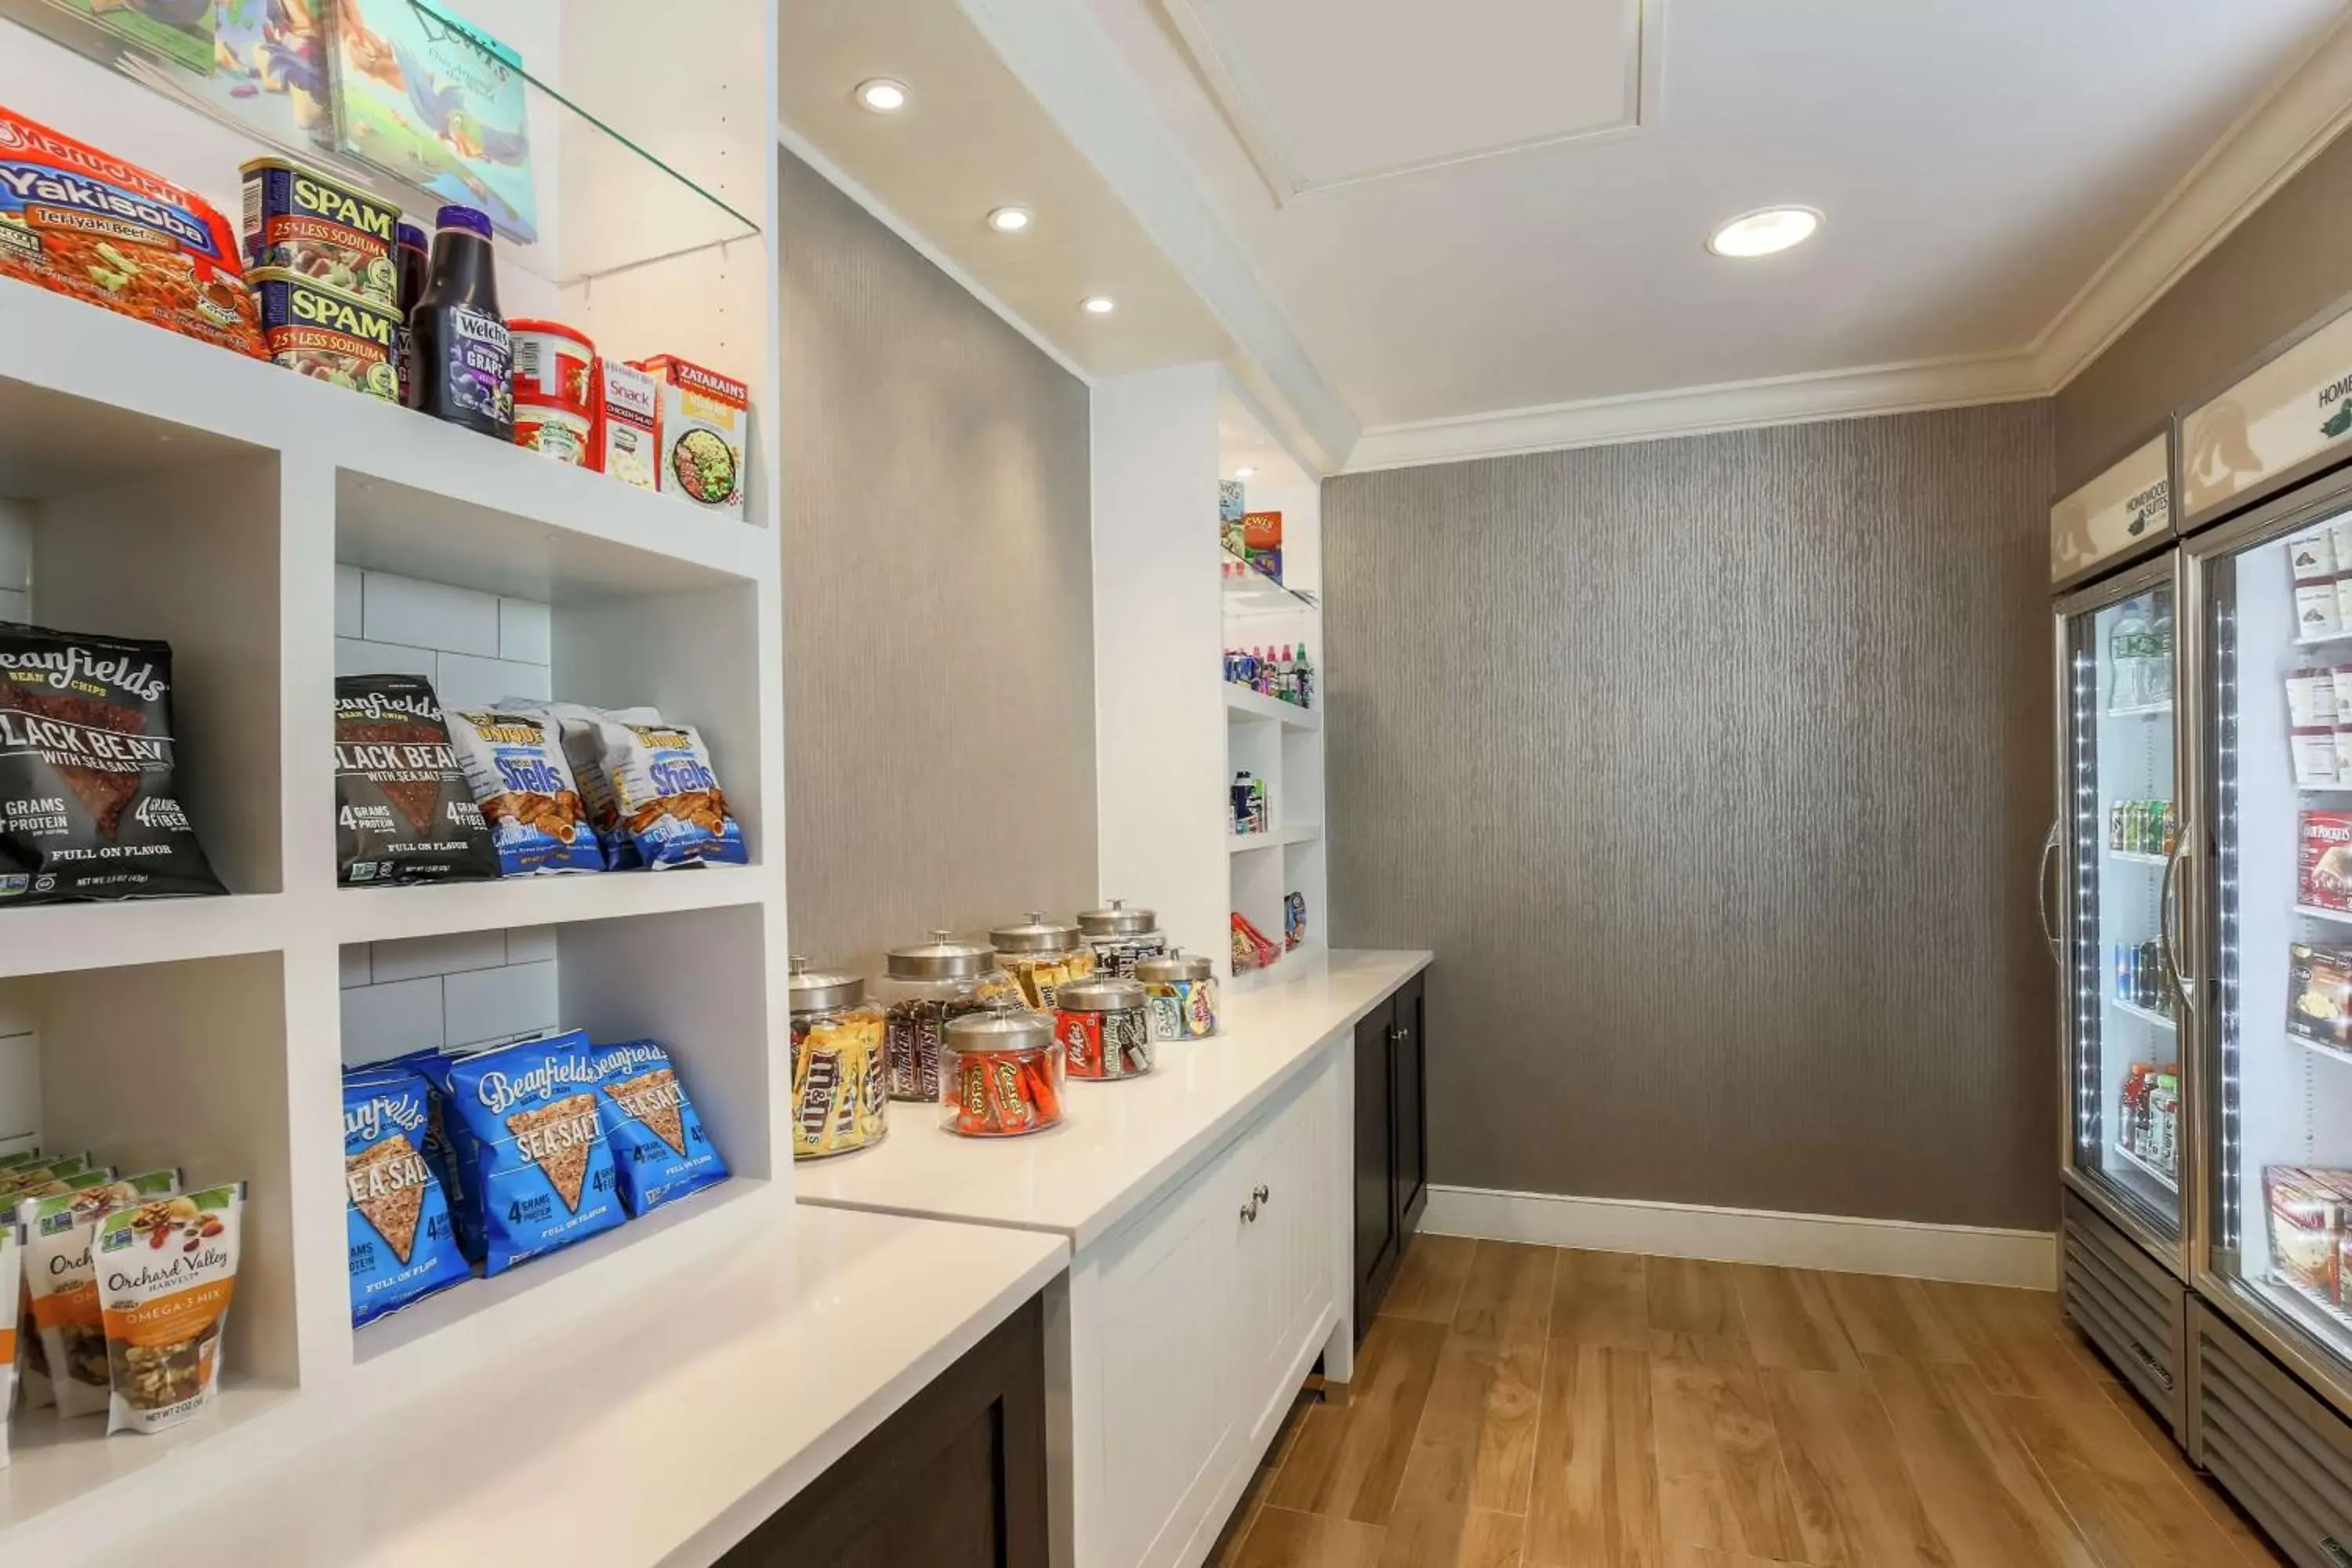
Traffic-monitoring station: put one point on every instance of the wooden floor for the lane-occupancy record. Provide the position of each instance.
(1528, 1407)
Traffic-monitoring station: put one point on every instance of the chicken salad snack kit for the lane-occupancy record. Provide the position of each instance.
(167, 1276)
(61, 1282)
(402, 1241)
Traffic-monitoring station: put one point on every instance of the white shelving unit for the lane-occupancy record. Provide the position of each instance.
(156, 486)
(1172, 733)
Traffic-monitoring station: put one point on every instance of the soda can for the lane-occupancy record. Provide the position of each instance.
(2172, 829)
(2127, 962)
(2116, 826)
(2151, 974)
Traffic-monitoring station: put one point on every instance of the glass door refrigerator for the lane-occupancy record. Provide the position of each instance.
(2121, 839)
(2269, 593)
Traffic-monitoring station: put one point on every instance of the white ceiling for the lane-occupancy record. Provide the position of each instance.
(1479, 227)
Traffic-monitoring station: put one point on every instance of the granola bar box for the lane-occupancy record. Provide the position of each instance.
(403, 1241)
(542, 1169)
(89, 807)
(166, 1275)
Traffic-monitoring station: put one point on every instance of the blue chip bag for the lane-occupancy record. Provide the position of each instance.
(403, 1244)
(533, 1146)
(445, 1138)
(515, 765)
(658, 1145)
(668, 798)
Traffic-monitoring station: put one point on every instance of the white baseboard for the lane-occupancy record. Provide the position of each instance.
(1963, 1254)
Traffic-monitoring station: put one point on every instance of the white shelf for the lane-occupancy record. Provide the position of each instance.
(2312, 911)
(391, 914)
(1243, 703)
(2320, 1048)
(2145, 1015)
(1246, 843)
(59, 939)
(2153, 1172)
(2134, 858)
(2322, 638)
(2324, 788)
(2139, 710)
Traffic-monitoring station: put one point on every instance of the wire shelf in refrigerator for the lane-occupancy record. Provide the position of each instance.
(2139, 710)
(2312, 912)
(2305, 1302)
(2320, 1047)
(2134, 858)
(2149, 1016)
(2147, 1168)
(2320, 640)
(2341, 787)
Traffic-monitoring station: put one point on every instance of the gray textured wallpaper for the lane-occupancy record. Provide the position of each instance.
(1716, 772)
(938, 602)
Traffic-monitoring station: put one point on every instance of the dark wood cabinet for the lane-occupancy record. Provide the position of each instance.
(955, 1480)
(1391, 1183)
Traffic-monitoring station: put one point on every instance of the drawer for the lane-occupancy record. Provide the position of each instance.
(2130, 1307)
(2284, 1453)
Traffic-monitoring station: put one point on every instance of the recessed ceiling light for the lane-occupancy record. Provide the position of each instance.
(882, 95)
(1763, 233)
(1097, 305)
(1244, 473)
(1009, 220)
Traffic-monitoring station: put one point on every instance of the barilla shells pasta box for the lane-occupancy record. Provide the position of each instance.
(542, 1169)
(659, 1148)
(702, 427)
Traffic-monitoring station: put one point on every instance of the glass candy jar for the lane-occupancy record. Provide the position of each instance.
(840, 1097)
(1042, 956)
(1181, 991)
(923, 990)
(1101, 1021)
(1004, 1072)
(1122, 937)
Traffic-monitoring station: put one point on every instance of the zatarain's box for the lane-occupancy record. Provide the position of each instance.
(702, 425)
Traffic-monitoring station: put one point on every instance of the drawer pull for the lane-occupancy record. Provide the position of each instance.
(1263, 1196)
(1249, 1211)
(2334, 1554)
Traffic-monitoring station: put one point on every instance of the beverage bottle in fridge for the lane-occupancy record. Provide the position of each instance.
(2124, 655)
(2156, 657)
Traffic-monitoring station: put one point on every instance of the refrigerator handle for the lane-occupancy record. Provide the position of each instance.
(2041, 892)
(2184, 984)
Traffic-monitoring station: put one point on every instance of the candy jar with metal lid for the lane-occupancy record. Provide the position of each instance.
(1102, 1027)
(1042, 956)
(1181, 991)
(925, 987)
(1122, 937)
(840, 1097)
(1005, 1073)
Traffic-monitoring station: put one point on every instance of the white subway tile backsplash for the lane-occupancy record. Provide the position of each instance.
(457, 954)
(16, 604)
(494, 1004)
(348, 600)
(525, 632)
(357, 969)
(531, 945)
(353, 656)
(417, 613)
(464, 681)
(382, 1021)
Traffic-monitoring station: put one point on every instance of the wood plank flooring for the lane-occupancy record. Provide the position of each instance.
(1530, 1408)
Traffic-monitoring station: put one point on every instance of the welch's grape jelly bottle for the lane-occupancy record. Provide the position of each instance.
(464, 369)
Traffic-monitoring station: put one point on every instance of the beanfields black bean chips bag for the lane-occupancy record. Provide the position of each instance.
(88, 807)
(403, 812)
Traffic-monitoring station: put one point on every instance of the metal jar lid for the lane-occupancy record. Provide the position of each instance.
(1100, 996)
(941, 958)
(1174, 966)
(1039, 935)
(819, 992)
(999, 1029)
(1118, 921)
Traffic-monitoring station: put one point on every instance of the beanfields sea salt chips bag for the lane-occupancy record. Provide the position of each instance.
(540, 1166)
(669, 799)
(12, 1261)
(166, 1271)
(61, 1279)
(403, 1243)
(659, 1149)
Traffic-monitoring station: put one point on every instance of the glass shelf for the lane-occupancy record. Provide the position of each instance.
(1250, 591)
(267, 81)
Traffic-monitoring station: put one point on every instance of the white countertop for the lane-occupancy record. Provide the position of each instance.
(1122, 1142)
(656, 1431)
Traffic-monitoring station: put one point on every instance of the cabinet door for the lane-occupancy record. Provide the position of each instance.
(1376, 1209)
(1412, 1078)
(1286, 1250)
(1165, 1340)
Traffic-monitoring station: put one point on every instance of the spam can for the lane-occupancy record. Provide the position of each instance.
(309, 224)
(327, 335)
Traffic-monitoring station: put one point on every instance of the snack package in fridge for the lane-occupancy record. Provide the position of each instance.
(659, 1149)
(403, 1242)
(541, 1170)
(669, 796)
(2306, 1225)
(61, 1280)
(12, 1285)
(166, 1275)
(2319, 993)
(2323, 860)
(516, 770)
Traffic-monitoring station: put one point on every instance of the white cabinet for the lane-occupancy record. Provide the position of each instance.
(1192, 1326)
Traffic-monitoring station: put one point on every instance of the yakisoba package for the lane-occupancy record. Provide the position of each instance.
(539, 1167)
(403, 1241)
(517, 769)
(61, 1285)
(660, 1151)
(166, 1274)
(667, 797)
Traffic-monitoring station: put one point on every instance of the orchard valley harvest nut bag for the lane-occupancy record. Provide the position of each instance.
(61, 1278)
(88, 805)
(403, 1245)
(539, 1166)
(659, 1149)
(166, 1271)
(404, 812)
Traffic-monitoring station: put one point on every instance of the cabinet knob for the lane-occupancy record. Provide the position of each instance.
(1249, 1211)
(1263, 1196)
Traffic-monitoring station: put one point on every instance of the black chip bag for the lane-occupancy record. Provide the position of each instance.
(88, 807)
(403, 812)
